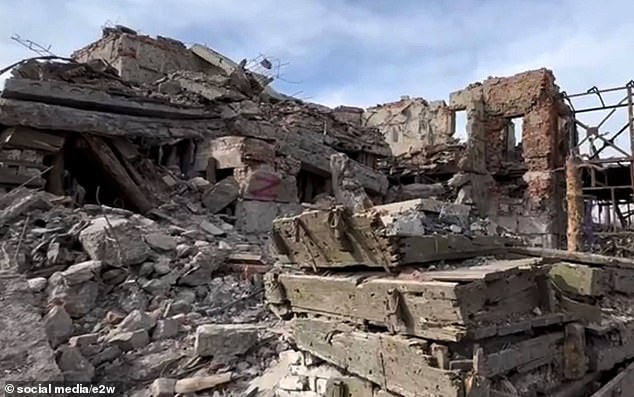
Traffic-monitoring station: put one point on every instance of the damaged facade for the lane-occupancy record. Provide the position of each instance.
(152, 194)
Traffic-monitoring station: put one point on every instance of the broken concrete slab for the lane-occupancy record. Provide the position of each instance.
(221, 195)
(103, 237)
(225, 340)
(160, 241)
(81, 272)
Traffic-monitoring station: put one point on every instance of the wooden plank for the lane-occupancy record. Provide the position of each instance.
(130, 191)
(522, 356)
(578, 257)
(493, 270)
(55, 92)
(575, 362)
(430, 309)
(28, 138)
(399, 365)
(621, 385)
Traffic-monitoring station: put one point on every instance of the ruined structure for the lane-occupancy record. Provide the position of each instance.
(151, 193)
(410, 125)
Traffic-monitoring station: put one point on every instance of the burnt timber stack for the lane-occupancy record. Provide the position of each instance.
(446, 315)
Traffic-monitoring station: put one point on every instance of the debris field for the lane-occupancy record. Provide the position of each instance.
(171, 223)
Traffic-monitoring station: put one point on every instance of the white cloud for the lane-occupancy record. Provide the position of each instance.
(360, 53)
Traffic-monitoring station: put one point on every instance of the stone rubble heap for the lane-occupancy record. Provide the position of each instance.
(114, 296)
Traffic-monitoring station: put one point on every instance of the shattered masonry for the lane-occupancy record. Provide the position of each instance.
(171, 222)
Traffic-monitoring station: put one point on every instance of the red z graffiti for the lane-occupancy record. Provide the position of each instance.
(264, 187)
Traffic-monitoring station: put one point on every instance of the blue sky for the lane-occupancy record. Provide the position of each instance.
(360, 52)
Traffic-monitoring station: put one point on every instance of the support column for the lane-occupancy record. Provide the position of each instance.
(574, 199)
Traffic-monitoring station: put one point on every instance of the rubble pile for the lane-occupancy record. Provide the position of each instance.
(405, 312)
(152, 194)
(111, 296)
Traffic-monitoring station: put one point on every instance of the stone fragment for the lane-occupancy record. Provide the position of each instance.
(178, 306)
(162, 266)
(163, 387)
(202, 265)
(225, 340)
(165, 329)
(84, 340)
(77, 299)
(130, 340)
(157, 287)
(57, 255)
(220, 195)
(293, 383)
(136, 320)
(212, 229)
(81, 272)
(146, 269)
(114, 317)
(114, 276)
(37, 284)
(200, 183)
(58, 326)
(74, 365)
(183, 250)
(108, 353)
(160, 241)
(97, 242)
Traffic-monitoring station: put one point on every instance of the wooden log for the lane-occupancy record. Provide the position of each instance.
(620, 386)
(397, 364)
(574, 199)
(575, 363)
(55, 92)
(578, 257)
(110, 164)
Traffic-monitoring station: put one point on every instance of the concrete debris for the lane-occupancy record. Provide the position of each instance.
(151, 196)
(58, 326)
(221, 340)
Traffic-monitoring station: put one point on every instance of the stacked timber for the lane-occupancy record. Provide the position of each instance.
(443, 315)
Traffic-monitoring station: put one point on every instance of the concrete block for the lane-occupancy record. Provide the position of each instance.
(256, 216)
(221, 194)
(99, 246)
(225, 340)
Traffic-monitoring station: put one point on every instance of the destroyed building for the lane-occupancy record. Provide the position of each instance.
(170, 222)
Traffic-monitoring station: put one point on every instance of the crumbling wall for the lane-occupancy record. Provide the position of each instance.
(491, 106)
(143, 59)
(412, 124)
